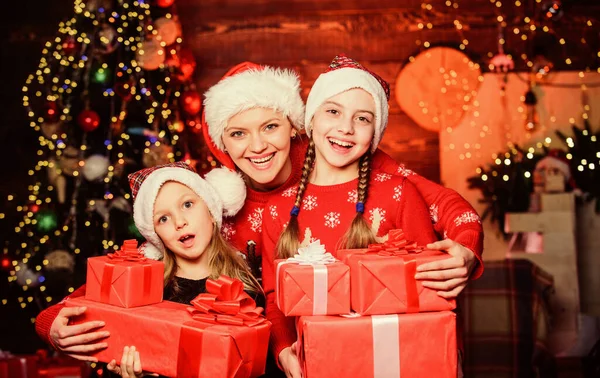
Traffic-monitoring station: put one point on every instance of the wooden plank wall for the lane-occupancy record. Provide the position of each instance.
(306, 34)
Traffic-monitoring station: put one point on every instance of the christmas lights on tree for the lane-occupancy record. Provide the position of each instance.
(112, 94)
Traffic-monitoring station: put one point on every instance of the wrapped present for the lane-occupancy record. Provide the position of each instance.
(382, 346)
(312, 282)
(222, 334)
(382, 278)
(125, 278)
(21, 366)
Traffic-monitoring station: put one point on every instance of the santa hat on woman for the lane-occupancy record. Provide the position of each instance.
(247, 86)
(222, 190)
(344, 74)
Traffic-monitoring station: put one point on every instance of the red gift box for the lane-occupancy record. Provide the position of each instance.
(383, 346)
(125, 278)
(382, 278)
(18, 367)
(221, 335)
(312, 289)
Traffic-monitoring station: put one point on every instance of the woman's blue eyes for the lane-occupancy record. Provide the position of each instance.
(271, 126)
(239, 134)
(236, 134)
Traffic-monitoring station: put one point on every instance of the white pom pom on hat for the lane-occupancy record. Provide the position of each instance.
(223, 193)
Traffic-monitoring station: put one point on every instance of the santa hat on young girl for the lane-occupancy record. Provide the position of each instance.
(247, 86)
(222, 190)
(344, 74)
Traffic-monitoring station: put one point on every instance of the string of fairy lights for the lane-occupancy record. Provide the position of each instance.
(535, 16)
(152, 73)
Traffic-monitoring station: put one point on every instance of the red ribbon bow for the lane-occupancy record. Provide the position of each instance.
(225, 302)
(396, 245)
(128, 252)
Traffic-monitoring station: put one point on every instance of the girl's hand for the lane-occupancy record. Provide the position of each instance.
(449, 277)
(131, 366)
(290, 363)
(77, 341)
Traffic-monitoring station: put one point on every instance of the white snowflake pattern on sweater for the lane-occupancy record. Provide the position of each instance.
(273, 211)
(402, 170)
(398, 193)
(375, 211)
(309, 203)
(381, 177)
(255, 219)
(332, 219)
(353, 196)
(433, 212)
(227, 230)
(467, 217)
(290, 192)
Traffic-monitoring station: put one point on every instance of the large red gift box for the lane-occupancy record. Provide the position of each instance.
(222, 335)
(312, 289)
(380, 346)
(18, 367)
(382, 278)
(125, 278)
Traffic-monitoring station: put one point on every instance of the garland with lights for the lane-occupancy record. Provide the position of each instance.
(112, 94)
(506, 184)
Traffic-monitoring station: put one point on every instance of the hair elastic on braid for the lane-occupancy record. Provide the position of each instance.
(360, 207)
(295, 211)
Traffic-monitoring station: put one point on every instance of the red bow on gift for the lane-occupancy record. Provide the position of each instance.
(395, 245)
(226, 302)
(128, 252)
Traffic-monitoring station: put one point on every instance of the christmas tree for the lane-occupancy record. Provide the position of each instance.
(112, 94)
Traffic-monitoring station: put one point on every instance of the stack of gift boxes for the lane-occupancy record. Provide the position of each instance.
(222, 334)
(365, 315)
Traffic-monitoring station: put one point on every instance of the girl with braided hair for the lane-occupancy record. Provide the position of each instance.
(340, 199)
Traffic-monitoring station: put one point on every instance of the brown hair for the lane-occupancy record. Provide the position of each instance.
(358, 235)
(222, 259)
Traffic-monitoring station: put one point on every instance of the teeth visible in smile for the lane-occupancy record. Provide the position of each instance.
(341, 143)
(262, 160)
(185, 238)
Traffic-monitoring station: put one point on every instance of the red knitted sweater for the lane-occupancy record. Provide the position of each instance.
(326, 213)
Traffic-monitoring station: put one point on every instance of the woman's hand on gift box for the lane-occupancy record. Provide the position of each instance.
(288, 359)
(130, 366)
(449, 276)
(77, 341)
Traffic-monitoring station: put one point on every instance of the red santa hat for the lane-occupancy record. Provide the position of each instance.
(557, 159)
(222, 190)
(344, 74)
(247, 86)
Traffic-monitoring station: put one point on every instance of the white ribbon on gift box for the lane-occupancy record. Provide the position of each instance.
(386, 346)
(315, 255)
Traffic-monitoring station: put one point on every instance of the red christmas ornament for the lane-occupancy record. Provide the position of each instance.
(69, 46)
(187, 65)
(34, 208)
(5, 263)
(191, 102)
(164, 3)
(51, 111)
(88, 120)
(123, 90)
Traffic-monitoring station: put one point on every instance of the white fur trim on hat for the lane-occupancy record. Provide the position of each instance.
(332, 83)
(272, 88)
(231, 188)
(143, 206)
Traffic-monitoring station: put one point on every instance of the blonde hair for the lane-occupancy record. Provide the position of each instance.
(222, 259)
(358, 235)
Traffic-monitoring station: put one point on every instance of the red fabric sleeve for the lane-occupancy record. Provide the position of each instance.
(449, 205)
(283, 329)
(44, 320)
(413, 216)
